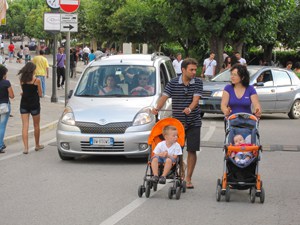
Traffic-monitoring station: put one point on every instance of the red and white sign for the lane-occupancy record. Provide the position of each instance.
(69, 6)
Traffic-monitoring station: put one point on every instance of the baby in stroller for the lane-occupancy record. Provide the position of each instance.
(241, 157)
(167, 152)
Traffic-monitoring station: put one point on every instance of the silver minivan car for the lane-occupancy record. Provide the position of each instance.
(108, 113)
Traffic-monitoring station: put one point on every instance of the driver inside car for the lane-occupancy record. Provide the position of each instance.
(143, 87)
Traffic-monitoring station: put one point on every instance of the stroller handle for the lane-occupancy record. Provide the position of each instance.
(243, 115)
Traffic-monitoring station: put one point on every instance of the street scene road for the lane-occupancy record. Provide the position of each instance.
(39, 188)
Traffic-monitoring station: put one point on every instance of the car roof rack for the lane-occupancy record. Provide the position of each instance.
(155, 54)
(99, 55)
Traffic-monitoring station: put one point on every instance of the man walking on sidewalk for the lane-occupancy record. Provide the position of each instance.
(61, 72)
(42, 69)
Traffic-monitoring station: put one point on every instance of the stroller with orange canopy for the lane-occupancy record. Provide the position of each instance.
(246, 175)
(176, 173)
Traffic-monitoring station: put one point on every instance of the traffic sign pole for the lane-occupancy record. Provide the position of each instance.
(67, 75)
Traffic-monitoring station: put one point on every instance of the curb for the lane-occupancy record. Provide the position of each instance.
(15, 138)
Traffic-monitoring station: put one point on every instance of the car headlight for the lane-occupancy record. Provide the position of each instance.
(143, 117)
(217, 94)
(68, 117)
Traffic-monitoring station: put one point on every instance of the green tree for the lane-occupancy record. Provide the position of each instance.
(138, 21)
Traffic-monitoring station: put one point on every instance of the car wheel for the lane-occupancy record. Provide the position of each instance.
(63, 157)
(295, 110)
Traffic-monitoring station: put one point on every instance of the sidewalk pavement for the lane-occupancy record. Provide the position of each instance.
(50, 112)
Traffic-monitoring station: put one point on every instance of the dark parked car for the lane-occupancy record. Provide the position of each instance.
(278, 90)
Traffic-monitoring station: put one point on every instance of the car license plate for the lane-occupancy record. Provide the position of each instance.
(202, 102)
(102, 141)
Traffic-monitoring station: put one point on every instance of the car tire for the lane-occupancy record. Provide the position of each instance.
(63, 157)
(295, 110)
(202, 114)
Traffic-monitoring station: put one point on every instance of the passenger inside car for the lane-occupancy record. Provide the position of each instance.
(110, 87)
(143, 88)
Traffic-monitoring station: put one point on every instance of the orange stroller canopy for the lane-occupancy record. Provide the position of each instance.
(156, 131)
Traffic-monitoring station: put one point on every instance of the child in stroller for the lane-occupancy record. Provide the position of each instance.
(157, 166)
(241, 157)
(167, 152)
(241, 175)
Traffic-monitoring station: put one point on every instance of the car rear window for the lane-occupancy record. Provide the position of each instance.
(117, 80)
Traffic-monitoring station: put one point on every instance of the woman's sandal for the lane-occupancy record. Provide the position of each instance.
(189, 185)
(39, 147)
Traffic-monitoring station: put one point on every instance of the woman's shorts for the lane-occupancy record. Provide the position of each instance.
(163, 159)
(192, 136)
(33, 112)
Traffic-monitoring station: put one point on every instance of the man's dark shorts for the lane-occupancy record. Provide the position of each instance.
(192, 136)
(33, 112)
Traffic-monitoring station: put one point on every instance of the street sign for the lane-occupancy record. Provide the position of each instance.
(68, 22)
(69, 6)
(52, 21)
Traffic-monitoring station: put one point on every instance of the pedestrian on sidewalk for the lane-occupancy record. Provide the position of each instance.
(42, 69)
(72, 63)
(30, 104)
(61, 71)
(6, 92)
(209, 67)
(11, 52)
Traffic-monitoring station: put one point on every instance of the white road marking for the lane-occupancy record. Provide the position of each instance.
(128, 209)
(115, 218)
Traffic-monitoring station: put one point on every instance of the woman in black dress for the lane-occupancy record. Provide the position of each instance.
(30, 104)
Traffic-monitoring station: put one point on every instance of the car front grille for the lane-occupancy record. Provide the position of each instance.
(87, 147)
(110, 128)
(206, 94)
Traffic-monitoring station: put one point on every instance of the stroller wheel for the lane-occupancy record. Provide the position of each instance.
(218, 192)
(170, 193)
(147, 193)
(141, 190)
(178, 193)
(154, 186)
(227, 194)
(252, 194)
(262, 195)
(183, 186)
(177, 183)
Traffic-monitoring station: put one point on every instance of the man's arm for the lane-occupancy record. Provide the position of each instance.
(161, 101)
(192, 106)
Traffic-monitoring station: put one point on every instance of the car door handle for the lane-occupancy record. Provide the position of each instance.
(273, 90)
(292, 89)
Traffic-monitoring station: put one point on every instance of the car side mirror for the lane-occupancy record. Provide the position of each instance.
(70, 94)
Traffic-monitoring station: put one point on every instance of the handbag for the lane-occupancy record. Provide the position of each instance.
(3, 108)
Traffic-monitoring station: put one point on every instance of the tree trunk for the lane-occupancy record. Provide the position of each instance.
(184, 46)
(238, 46)
(216, 45)
(268, 52)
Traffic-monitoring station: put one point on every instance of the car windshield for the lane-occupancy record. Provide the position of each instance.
(117, 81)
(225, 76)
